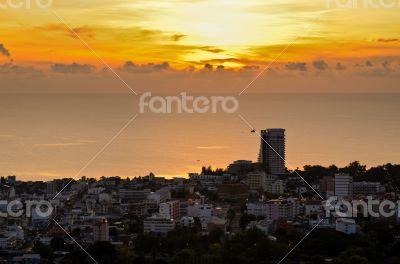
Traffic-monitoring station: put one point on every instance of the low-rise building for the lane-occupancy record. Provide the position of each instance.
(233, 191)
(133, 196)
(256, 180)
(275, 187)
(187, 221)
(312, 207)
(346, 225)
(257, 209)
(158, 225)
(367, 188)
(200, 210)
(161, 195)
(170, 210)
(100, 230)
(275, 209)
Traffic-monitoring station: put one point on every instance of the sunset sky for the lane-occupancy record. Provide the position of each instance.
(178, 37)
(51, 58)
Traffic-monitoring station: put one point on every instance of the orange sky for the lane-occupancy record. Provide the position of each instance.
(184, 33)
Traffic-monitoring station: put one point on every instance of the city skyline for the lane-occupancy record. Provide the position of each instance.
(69, 82)
(271, 156)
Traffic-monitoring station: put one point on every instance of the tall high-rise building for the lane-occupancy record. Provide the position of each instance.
(272, 150)
(343, 185)
(51, 187)
(327, 185)
(11, 180)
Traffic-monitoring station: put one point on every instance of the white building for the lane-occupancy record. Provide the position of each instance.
(170, 210)
(200, 210)
(343, 185)
(346, 225)
(157, 224)
(281, 209)
(257, 209)
(161, 195)
(164, 193)
(275, 209)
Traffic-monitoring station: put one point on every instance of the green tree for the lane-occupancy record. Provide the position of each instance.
(44, 251)
(356, 260)
(57, 243)
(103, 252)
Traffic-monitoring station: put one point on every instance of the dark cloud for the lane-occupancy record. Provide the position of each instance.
(132, 67)
(251, 68)
(73, 68)
(239, 60)
(389, 40)
(10, 68)
(208, 67)
(320, 65)
(235, 60)
(211, 49)
(386, 65)
(82, 31)
(190, 69)
(220, 67)
(377, 68)
(4, 51)
(177, 37)
(340, 67)
(131, 33)
(296, 66)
